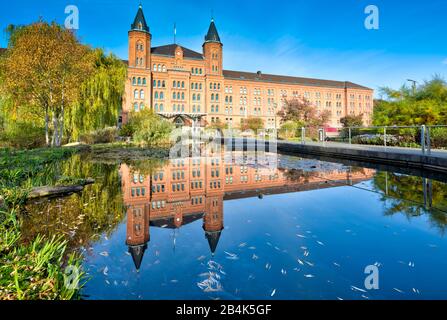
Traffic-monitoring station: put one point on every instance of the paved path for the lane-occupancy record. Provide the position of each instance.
(402, 150)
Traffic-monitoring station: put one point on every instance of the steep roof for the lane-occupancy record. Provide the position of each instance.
(137, 253)
(213, 239)
(139, 19)
(212, 35)
(261, 77)
(169, 50)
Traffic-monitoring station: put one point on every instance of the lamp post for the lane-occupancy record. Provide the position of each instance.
(275, 107)
(414, 82)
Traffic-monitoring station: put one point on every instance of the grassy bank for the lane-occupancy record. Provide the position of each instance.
(33, 270)
(33, 267)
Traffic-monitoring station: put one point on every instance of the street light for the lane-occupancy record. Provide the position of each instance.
(414, 82)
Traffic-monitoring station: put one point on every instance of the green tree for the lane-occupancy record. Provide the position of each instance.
(252, 123)
(352, 121)
(426, 104)
(149, 128)
(100, 97)
(43, 68)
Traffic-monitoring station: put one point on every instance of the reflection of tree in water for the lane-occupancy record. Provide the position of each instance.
(299, 175)
(81, 217)
(147, 166)
(405, 194)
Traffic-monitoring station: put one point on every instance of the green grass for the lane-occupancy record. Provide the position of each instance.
(33, 270)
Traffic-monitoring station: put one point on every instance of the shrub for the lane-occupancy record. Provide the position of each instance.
(127, 130)
(23, 135)
(438, 138)
(105, 135)
(288, 130)
(150, 128)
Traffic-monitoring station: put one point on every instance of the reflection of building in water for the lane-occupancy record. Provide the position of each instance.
(189, 189)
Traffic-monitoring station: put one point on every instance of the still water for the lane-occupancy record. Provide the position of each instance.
(231, 227)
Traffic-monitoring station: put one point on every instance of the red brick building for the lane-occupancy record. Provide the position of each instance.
(189, 86)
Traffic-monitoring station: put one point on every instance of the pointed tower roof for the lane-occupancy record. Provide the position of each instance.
(137, 253)
(212, 35)
(140, 22)
(213, 239)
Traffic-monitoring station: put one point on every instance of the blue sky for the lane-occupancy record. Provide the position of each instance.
(310, 38)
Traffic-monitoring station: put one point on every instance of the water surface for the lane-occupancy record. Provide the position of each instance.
(231, 227)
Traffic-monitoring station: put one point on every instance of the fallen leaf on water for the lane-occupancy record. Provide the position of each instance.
(353, 288)
(104, 254)
(309, 275)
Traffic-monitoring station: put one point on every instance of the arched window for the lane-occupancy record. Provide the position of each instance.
(183, 96)
(174, 84)
(156, 107)
(162, 95)
(212, 108)
(212, 97)
(141, 106)
(198, 97)
(215, 86)
(200, 71)
(183, 84)
(135, 94)
(211, 86)
(217, 97)
(161, 107)
(159, 68)
(154, 67)
(178, 84)
(134, 81)
(178, 95)
(183, 108)
(173, 95)
(218, 86)
(155, 83)
(197, 86)
(193, 108)
(163, 84)
(217, 108)
(193, 97)
(164, 68)
(156, 95)
(144, 81)
(135, 106)
(200, 86)
(197, 71)
(139, 81)
(159, 83)
(141, 94)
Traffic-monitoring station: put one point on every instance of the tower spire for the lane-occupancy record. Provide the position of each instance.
(139, 22)
(212, 35)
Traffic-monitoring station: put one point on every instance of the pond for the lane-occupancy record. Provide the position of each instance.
(232, 227)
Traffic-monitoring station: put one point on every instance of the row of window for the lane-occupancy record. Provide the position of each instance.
(196, 71)
(159, 67)
(138, 81)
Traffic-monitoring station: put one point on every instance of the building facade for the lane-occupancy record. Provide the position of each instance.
(193, 88)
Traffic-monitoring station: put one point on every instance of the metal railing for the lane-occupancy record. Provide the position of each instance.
(425, 138)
